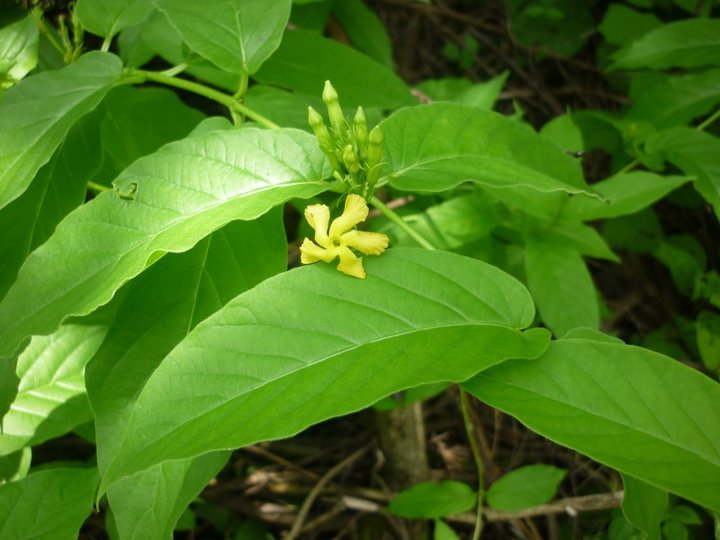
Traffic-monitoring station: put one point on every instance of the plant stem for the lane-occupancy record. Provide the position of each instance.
(470, 430)
(97, 188)
(132, 76)
(38, 18)
(397, 220)
(105, 47)
(709, 121)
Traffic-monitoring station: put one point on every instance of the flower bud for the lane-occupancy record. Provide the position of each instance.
(323, 136)
(351, 160)
(375, 139)
(361, 133)
(332, 102)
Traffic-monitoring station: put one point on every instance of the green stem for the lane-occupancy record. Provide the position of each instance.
(37, 17)
(470, 430)
(709, 121)
(105, 47)
(132, 76)
(175, 70)
(397, 220)
(97, 188)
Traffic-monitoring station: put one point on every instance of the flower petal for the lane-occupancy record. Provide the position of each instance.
(369, 243)
(350, 264)
(318, 216)
(356, 210)
(310, 252)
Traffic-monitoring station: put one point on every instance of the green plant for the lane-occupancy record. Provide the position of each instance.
(159, 318)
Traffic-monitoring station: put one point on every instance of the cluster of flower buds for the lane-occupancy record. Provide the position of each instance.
(354, 154)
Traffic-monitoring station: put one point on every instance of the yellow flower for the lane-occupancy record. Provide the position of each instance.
(337, 239)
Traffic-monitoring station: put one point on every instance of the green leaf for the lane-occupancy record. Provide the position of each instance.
(18, 50)
(57, 100)
(157, 113)
(450, 224)
(560, 284)
(695, 153)
(687, 44)
(563, 131)
(366, 31)
(163, 202)
(462, 91)
(583, 238)
(637, 411)
(107, 17)
(430, 500)
(58, 188)
(644, 506)
(305, 60)
(148, 504)
(358, 341)
(155, 312)
(51, 398)
(236, 35)
(47, 505)
(439, 146)
(707, 328)
(525, 487)
(282, 107)
(685, 257)
(622, 25)
(443, 531)
(15, 466)
(624, 194)
(673, 100)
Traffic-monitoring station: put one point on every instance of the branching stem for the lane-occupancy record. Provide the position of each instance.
(479, 464)
(134, 76)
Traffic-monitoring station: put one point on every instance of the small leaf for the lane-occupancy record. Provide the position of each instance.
(50, 504)
(107, 17)
(57, 100)
(236, 35)
(707, 328)
(690, 43)
(443, 531)
(430, 500)
(358, 339)
(622, 25)
(525, 487)
(619, 405)
(366, 31)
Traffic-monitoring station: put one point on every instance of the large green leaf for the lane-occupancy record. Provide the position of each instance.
(51, 396)
(560, 284)
(435, 147)
(58, 188)
(18, 50)
(36, 115)
(688, 44)
(624, 194)
(632, 409)
(312, 343)
(107, 17)
(305, 60)
(695, 153)
(236, 35)
(164, 202)
(155, 312)
(673, 100)
(47, 505)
